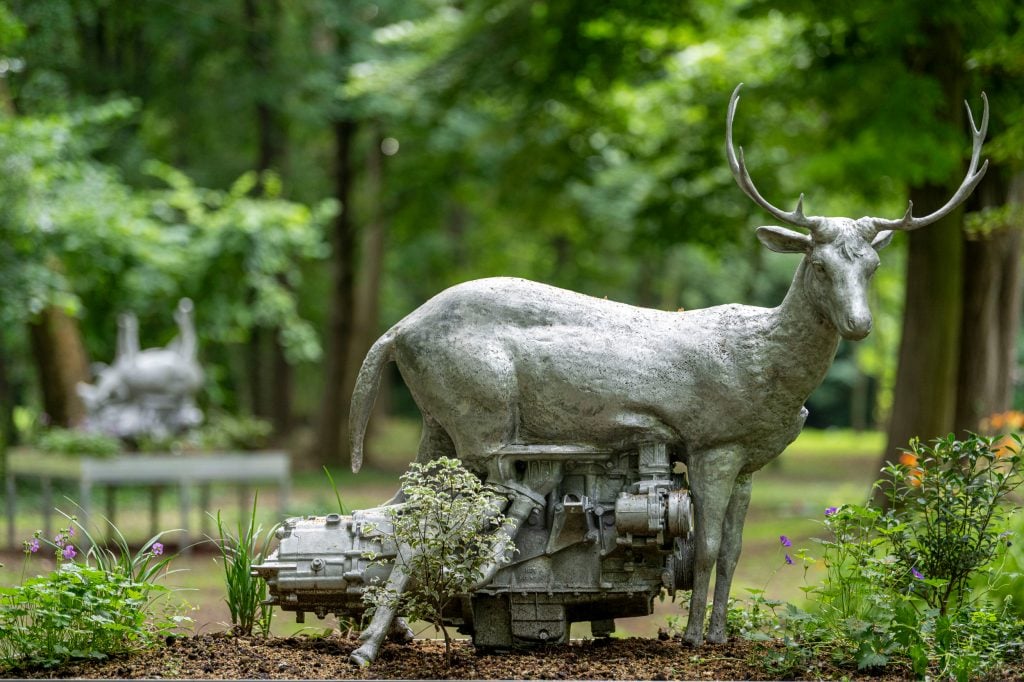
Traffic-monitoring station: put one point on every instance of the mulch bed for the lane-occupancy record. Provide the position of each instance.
(222, 656)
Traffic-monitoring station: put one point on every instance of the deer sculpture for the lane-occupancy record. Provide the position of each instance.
(503, 362)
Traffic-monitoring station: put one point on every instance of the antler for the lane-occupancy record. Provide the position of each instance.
(971, 180)
(739, 171)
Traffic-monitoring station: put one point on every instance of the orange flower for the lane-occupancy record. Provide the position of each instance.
(908, 459)
(916, 478)
(1004, 448)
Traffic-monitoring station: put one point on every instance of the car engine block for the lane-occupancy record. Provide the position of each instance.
(616, 531)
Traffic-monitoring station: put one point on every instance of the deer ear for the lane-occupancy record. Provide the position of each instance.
(781, 240)
(882, 240)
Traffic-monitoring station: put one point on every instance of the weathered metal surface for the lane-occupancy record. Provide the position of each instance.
(503, 365)
(573, 562)
(147, 392)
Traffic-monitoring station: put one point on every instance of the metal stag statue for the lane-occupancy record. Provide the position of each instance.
(579, 409)
(147, 392)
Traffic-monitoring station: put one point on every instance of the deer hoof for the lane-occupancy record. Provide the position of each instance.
(363, 656)
(401, 632)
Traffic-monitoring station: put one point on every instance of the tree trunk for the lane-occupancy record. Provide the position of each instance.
(281, 387)
(61, 362)
(991, 317)
(255, 376)
(367, 304)
(6, 401)
(924, 397)
(924, 400)
(1011, 295)
(334, 405)
(270, 373)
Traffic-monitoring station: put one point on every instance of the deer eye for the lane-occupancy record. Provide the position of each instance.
(819, 267)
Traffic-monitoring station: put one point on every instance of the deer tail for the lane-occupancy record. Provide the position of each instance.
(365, 393)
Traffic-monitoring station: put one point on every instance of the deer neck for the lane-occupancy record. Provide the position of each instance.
(802, 340)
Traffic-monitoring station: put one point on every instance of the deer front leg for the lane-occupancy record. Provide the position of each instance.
(385, 619)
(712, 477)
(728, 555)
(380, 624)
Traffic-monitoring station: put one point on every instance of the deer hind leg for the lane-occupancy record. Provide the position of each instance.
(539, 479)
(382, 621)
(434, 443)
(728, 555)
(712, 477)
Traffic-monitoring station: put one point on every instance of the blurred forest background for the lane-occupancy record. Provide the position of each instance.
(309, 171)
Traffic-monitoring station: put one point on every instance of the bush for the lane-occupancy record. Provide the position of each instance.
(949, 518)
(71, 442)
(234, 432)
(220, 432)
(440, 535)
(898, 581)
(105, 605)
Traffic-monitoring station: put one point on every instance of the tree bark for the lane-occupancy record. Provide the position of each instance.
(281, 388)
(367, 301)
(991, 318)
(255, 376)
(924, 397)
(924, 401)
(270, 373)
(334, 404)
(7, 401)
(61, 362)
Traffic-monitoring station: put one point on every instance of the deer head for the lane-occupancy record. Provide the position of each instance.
(841, 254)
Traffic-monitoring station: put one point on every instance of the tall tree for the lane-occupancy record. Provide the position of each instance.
(901, 75)
(925, 396)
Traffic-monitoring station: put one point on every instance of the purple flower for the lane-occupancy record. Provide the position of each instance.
(59, 540)
(786, 542)
(71, 531)
(831, 510)
(157, 548)
(916, 573)
(789, 560)
(33, 546)
(69, 552)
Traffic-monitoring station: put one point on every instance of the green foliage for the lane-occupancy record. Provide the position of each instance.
(74, 442)
(220, 432)
(241, 255)
(105, 605)
(443, 546)
(114, 555)
(248, 546)
(1011, 585)
(233, 432)
(342, 509)
(575, 143)
(74, 234)
(951, 518)
(896, 587)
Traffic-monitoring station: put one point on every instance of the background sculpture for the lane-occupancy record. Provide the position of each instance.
(147, 393)
(580, 411)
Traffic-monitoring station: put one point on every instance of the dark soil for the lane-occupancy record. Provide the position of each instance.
(221, 656)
